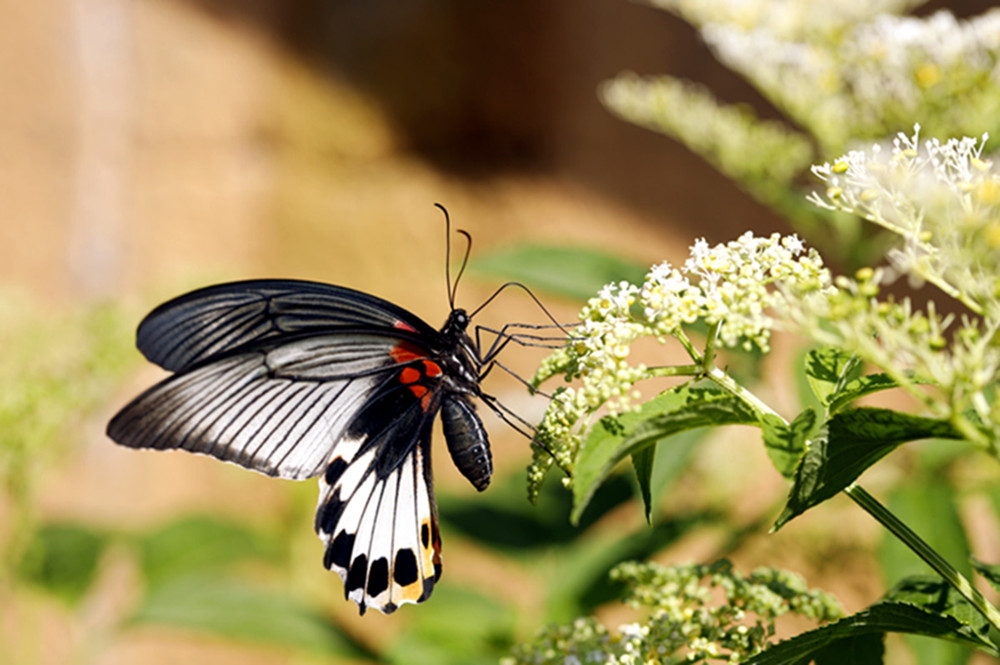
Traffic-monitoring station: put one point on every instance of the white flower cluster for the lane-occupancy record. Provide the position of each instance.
(730, 287)
(942, 198)
(849, 68)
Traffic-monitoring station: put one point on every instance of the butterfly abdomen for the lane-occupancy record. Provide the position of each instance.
(467, 440)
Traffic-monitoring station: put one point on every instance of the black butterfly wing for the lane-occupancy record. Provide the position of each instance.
(279, 409)
(376, 510)
(199, 325)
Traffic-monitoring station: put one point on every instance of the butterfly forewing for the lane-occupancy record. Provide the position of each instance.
(206, 322)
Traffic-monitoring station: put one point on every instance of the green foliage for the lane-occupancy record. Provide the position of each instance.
(63, 559)
(242, 610)
(673, 411)
(569, 272)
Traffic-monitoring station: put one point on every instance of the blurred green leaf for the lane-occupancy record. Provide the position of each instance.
(62, 559)
(926, 503)
(676, 410)
(502, 518)
(582, 582)
(990, 571)
(456, 627)
(850, 442)
(242, 611)
(572, 272)
(785, 443)
(199, 544)
(642, 463)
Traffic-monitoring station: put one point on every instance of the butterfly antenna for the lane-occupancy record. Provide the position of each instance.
(447, 255)
(531, 295)
(453, 286)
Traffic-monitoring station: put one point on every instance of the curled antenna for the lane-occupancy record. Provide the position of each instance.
(452, 287)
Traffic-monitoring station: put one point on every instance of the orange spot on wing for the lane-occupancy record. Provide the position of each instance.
(404, 352)
(418, 391)
(410, 375)
(431, 368)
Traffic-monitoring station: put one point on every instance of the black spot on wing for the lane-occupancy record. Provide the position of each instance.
(334, 470)
(378, 577)
(425, 535)
(329, 514)
(404, 570)
(356, 576)
(339, 551)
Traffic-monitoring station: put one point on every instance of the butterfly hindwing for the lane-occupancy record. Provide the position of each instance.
(376, 510)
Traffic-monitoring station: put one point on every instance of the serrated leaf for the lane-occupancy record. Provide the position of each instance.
(679, 409)
(242, 611)
(905, 612)
(785, 442)
(847, 444)
(576, 273)
(62, 559)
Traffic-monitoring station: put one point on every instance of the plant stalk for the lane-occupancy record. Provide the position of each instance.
(920, 547)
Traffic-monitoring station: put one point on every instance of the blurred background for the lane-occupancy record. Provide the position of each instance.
(154, 146)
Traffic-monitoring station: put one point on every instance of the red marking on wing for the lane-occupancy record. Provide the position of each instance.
(404, 352)
(431, 368)
(410, 375)
(404, 326)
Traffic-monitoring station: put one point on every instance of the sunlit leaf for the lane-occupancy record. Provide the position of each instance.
(850, 442)
(785, 443)
(677, 410)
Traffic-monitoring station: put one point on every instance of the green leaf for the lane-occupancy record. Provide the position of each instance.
(580, 579)
(785, 443)
(457, 626)
(936, 597)
(853, 390)
(828, 369)
(926, 502)
(849, 443)
(679, 409)
(990, 571)
(917, 607)
(672, 458)
(576, 273)
(62, 559)
(199, 544)
(242, 611)
(643, 461)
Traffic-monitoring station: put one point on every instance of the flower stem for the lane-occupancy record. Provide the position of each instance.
(920, 547)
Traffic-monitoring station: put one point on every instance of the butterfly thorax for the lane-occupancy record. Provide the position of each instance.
(459, 355)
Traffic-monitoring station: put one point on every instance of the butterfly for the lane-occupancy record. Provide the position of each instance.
(298, 379)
